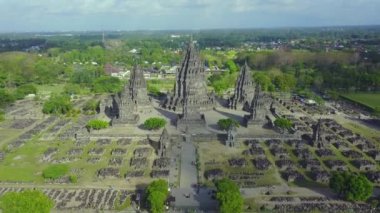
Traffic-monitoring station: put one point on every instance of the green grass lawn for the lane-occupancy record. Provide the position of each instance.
(163, 85)
(47, 89)
(371, 100)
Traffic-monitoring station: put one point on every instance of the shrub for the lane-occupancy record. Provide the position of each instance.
(154, 123)
(55, 171)
(229, 196)
(154, 90)
(57, 104)
(351, 186)
(91, 106)
(283, 123)
(26, 201)
(73, 178)
(24, 90)
(157, 193)
(225, 124)
(97, 124)
(2, 116)
(6, 98)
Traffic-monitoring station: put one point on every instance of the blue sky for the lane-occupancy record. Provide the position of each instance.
(81, 15)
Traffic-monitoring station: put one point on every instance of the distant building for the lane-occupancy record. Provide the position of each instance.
(116, 71)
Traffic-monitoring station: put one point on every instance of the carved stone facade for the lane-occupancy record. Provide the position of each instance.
(191, 75)
(257, 111)
(191, 118)
(318, 139)
(231, 137)
(138, 90)
(244, 90)
(163, 144)
(123, 108)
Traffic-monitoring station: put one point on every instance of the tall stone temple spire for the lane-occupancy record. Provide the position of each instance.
(257, 112)
(138, 88)
(124, 108)
(132, 100)
(191, 74)
(244, 89)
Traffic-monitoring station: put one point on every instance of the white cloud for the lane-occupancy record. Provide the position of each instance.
(185, 13)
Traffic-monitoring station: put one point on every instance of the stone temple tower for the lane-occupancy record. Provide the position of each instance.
(190, 75)
(138, 90)
(244, 89)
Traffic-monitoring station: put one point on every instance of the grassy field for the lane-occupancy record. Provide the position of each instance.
(24, 164)
(163, 85)
(371, 100)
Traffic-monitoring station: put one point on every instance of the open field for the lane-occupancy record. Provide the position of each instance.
(371, 100)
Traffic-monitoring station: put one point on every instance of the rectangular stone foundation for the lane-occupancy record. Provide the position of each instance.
(249, 122)
(121, 122)
(190, 124)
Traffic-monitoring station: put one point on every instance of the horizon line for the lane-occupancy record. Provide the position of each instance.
(192, 29)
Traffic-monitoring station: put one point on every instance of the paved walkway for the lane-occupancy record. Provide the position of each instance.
(188, 169)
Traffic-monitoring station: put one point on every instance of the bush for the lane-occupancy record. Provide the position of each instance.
(26, 201)
(57, 104)
(283, 123)
(229, 196)
(153, 90)
(154, 123)
(73, 178)
(71, 89)
(91, 107)
(6, 98)
(225, 124)
(2, 116)
(97, 124)
(351, 186)
(55, 171)
(24, 90)
(157, 193)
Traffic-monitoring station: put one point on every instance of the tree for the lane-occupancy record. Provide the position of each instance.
(157, 193)
(225, 124)
(351, 186)
(283, 123)
(229, 196)
(57, 104)
(154, 123)
(264, 80)
(285, 82)
(107, 84)
(97, 124)
(231, 66)
(26, 201)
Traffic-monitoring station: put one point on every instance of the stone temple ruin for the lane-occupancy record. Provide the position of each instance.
(318, 139)
(138, 90)
(256, 111)
(244, 90)
(123, 108)
(191, 118)
(231, 137)
(190, 76)
(163, 144)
